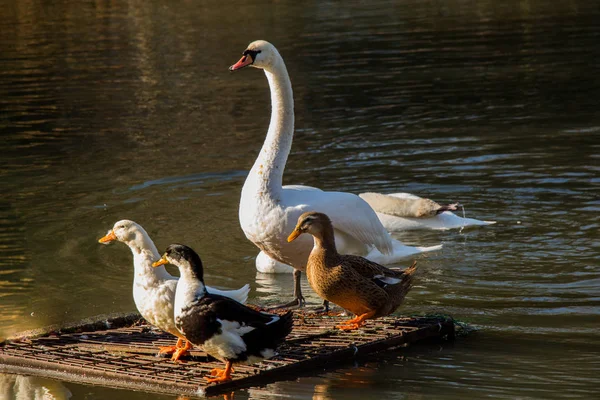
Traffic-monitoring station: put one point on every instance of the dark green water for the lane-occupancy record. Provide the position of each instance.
(112, 110)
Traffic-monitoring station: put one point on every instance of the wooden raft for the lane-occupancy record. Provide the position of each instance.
(120, 351)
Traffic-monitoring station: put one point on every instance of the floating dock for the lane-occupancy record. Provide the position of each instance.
(121, 352)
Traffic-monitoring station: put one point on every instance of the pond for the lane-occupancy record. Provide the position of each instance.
(113, 110)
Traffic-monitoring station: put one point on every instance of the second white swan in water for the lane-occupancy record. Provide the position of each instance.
(405, 211)
(269, 211)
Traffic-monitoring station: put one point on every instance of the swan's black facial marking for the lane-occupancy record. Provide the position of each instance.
(251, 53)
(248, 58)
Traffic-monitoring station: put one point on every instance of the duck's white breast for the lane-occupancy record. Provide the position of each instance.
(155, 303)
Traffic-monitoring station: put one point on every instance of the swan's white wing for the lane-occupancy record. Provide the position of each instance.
(301, 187)
(443, 221)
(348, 213)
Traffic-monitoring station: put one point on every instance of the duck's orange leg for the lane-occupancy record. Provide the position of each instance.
(350, 321)
(170, 349)
(181, 351)
(355, 322)
(218, 371)
(221, 375)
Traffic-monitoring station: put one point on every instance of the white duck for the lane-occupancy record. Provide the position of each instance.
(154, 288)
(269, 211)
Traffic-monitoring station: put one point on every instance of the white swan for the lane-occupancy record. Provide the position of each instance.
(269, 211)
(154, 288)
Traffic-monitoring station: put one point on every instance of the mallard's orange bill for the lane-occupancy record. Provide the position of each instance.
(294, 235)
(244, 62)
(110, 236)
(160, 262)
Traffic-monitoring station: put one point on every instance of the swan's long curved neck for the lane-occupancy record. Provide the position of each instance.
(266, 175)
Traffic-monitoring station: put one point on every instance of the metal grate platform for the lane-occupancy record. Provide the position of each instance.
(121, 352)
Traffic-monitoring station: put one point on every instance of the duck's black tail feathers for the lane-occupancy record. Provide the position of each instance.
(268, 337)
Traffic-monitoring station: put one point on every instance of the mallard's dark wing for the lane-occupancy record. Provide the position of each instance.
(211, 313)
(225, 308)
(382, 276)
(367, 268)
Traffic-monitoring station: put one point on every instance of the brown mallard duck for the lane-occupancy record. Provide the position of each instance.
(365, 288)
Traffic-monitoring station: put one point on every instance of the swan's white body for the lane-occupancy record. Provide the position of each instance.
(154, 288)
(269, 211)
(266, 265)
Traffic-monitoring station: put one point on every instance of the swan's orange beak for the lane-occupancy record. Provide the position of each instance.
(295, 233)
(244, 62)
(160, 262)
(110, 236)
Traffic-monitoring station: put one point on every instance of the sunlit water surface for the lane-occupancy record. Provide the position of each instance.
(114, 110)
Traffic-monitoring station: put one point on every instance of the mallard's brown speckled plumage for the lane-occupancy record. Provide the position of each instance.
(363, 287)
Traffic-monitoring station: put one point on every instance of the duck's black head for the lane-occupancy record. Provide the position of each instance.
(186, 259)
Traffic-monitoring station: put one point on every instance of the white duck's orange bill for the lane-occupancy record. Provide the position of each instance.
(110, 236)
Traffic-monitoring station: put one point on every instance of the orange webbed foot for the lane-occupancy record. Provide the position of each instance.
(181, 351)
(170, 349)
(218, 372)
(167, 349)
(348, 327)
(350, 321)
(218, 379)
(220, 375)
(355, 322)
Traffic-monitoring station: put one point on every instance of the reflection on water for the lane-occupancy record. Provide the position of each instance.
(126, 110)
(19, 387)
(15, 280)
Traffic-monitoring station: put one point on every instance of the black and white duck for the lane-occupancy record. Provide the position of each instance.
(224, 328)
